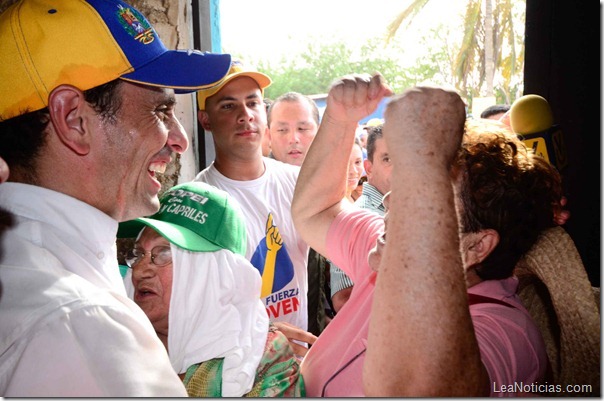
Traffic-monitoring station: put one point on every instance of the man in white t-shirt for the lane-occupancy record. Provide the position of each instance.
(234, 112)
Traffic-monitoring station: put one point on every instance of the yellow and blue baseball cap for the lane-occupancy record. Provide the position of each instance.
(87, 43)
(237, 70)
(197, 217)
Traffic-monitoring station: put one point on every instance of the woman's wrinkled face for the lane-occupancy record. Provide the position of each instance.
(153, 283)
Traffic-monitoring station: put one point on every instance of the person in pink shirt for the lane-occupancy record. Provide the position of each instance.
(446, 320)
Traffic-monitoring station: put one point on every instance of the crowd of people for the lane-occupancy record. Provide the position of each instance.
(225, 291)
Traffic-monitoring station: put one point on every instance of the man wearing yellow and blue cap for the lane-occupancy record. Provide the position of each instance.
(234, 112)
(87, 122)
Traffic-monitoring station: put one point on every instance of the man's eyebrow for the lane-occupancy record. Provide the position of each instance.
(163, 96)
(170, 100)
(165, 99)
(226, 99)
(229, 98)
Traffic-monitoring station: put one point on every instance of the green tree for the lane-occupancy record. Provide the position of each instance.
(488, 49)
(312, 71)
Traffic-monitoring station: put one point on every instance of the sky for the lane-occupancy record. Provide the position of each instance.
(272, 28)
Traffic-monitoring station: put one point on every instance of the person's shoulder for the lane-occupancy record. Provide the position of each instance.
(55, 293)
(209, 171)
(359, 218)
(274, 163)
(279, 168)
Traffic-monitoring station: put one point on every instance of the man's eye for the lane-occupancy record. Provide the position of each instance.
(163, 112)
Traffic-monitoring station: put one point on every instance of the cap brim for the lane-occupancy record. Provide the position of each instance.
(178, 235)
(183, 70)
(261, 79)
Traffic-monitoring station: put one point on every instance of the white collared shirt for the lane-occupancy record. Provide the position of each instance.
(67, 327)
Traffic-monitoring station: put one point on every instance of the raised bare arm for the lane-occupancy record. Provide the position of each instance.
(321, 184)
(421, 338)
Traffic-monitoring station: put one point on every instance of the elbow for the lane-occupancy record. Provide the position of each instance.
(298, 217)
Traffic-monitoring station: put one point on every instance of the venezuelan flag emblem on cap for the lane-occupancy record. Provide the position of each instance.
(87, 43)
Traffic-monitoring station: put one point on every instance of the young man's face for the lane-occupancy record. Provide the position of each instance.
(380, 170)
(236, 116)
(134, 148)
(292, 130)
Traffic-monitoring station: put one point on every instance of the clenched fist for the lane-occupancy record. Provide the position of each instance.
(424, 123)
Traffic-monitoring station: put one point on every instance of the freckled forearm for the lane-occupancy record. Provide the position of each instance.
(420, 321)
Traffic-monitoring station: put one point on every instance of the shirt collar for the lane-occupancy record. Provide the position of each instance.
(87, 231)
(375, 196)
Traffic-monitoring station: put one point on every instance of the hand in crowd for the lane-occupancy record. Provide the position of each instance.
(561, 215)
(354, 97)
(437, 137)
(295, 333)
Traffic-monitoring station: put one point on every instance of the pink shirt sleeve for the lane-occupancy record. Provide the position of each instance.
(351, 236)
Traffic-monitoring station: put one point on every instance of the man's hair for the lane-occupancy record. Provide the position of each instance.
(23, 137)
(373, 134)
(494, 109)
(267, 104)
(294, 97)
(504, 186)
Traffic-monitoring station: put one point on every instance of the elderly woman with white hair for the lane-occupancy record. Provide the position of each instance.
(189, 275)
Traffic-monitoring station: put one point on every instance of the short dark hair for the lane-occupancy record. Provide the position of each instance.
(494, 109)
(267, 104)
(504, 186)
(23, 137)
(294, 97)
(373, 134)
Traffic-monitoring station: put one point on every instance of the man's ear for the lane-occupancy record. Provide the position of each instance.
(480, 245)
(68, 108)
(204, 120)
(368, 166)
(267, 132)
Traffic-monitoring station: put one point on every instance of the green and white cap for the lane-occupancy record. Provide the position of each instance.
(197, 217)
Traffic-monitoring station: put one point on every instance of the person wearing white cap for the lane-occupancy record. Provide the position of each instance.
(87, 122)
(189, 275)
